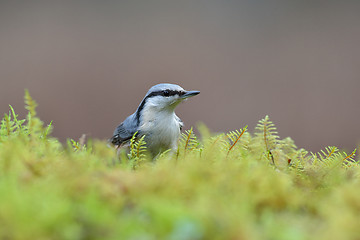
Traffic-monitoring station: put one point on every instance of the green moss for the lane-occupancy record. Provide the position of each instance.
(237, 185)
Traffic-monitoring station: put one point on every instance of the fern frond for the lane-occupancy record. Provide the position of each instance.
(137, 150)
(288, 146)
(18, 123)
(47, 131)
(30, 104)
(11, 125)
(269, 132)
(325, 156)
(189, 140)
(349, 160)
(132, 145)
(163, 154)
(140, 147)
(34, 124)
(75, 145)
(299, 160)
(332, 157)
(82, 145)
(233, 137)
(266, 131)
(7, 125)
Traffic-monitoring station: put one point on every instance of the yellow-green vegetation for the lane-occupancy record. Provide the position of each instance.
(237, 185)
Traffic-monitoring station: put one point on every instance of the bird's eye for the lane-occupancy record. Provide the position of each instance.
(166, 93)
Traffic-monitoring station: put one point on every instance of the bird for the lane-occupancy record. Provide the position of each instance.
(155, 118)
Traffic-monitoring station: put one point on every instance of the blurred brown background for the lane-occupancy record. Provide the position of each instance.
(89, 63)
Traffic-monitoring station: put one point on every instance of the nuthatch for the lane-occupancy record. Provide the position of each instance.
(155, 118)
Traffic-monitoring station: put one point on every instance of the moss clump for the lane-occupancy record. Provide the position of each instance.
(228, 186)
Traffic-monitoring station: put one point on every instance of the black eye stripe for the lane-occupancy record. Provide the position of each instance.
(168, 93)
(165, 93)
(153, 94)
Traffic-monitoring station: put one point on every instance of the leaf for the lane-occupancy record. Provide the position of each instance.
(189, 140)
(266, 131)
(137, 152)
(234, 137)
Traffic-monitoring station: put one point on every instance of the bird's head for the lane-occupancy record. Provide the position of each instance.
(166, 96)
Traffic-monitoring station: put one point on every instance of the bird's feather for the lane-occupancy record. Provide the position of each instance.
(155, 118)
(121, 136)
(123, 133)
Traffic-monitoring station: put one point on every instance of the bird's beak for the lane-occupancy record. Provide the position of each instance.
(189, 94)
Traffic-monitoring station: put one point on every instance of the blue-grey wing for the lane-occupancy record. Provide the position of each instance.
(124, 132)
(121, 135)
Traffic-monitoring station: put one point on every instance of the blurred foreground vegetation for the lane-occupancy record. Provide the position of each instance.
(226, 186)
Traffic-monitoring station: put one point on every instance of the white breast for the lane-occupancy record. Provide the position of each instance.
(162, 130)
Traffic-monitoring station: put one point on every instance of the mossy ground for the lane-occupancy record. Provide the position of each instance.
(228, 186)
